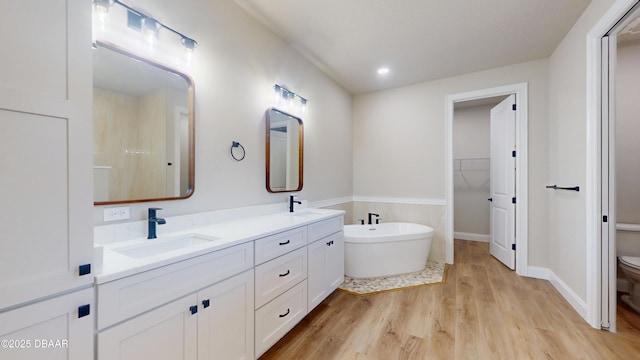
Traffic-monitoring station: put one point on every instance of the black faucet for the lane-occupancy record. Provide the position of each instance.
(153, 220)
(372, 214)
(292, 201)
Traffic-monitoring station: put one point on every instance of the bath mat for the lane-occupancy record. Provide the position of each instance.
(434, 273)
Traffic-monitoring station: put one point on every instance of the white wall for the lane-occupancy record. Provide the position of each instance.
(399, 144)
(567, 156)
(236, 64)
(471, 177)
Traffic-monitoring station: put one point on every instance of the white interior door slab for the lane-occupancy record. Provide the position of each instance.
(502, 185)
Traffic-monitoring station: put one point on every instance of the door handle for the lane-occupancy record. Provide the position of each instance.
(490, 199)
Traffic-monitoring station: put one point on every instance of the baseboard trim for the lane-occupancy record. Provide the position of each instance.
(471, 236)
(572, 298)
(537, 272)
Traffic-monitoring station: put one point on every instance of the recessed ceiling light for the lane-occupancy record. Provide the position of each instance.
(383, 70)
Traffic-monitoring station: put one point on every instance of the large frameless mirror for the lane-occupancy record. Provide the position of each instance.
(284, 152)
(143, 129)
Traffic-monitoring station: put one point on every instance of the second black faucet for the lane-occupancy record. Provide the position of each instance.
(371, 215)
(153, 220)
(292, 201)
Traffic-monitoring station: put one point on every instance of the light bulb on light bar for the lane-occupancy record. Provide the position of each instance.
(383, 70)
(150, 29)
(102, 6)
(189, 45)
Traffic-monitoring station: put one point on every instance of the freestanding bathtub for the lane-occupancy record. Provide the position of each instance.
(385, 249)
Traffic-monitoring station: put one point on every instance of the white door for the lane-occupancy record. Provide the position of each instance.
(502, 188)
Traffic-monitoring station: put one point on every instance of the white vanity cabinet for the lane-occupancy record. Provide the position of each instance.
(200, 308)
(281, 289)
(58, 328)
(231, 303)
(292, 281)
(326, 259)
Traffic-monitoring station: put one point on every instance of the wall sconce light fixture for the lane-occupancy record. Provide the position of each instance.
(288, 99)
(145, 24)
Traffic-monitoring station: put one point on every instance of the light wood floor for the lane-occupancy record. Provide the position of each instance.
(482, 311)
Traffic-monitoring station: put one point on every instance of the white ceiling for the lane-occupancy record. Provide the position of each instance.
(419, 40)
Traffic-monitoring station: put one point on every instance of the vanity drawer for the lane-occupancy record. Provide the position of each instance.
(127, 297)
(279, 316)
(325, 228)
(275, 245)
(278, 275)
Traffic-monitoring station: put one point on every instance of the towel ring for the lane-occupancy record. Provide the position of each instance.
(235, 144)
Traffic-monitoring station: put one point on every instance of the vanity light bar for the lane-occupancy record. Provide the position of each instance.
(288, 94)
(103, 6)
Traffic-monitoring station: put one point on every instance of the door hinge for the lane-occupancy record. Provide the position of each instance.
(513, 246)
(513, 153)
(513, 107)
(513, 200)
(605, 218)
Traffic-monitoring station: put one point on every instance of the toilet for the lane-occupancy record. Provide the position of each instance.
(631, 268)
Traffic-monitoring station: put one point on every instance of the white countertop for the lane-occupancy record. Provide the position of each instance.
(116, 265)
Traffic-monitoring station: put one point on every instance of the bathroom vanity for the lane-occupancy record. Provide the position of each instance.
(231, 294)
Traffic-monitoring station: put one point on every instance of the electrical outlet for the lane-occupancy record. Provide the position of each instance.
(116, 213)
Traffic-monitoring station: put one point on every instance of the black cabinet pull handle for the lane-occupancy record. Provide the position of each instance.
(285, 314)
(330, 243)
(490, 199)
(205, 303)
(84, 269)
(285, 274)
(84, 310)
(193, 309)
(285, 243)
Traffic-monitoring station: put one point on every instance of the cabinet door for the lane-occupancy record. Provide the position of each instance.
(326, 267)
(45, 148)
(317, 275)
(166, 333)
(225, 321)
(56, 329)
(335, 261)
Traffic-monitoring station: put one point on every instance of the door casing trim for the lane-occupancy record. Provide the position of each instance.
(520, 90)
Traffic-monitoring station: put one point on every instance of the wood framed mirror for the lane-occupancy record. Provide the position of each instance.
(284, 151)
(143, 121)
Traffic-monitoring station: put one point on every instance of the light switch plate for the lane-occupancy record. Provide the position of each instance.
(116, 213)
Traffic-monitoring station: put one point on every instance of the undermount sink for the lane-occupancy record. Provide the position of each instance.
(161, 246)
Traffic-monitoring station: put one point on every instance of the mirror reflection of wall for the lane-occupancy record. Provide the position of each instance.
(284, 152)
(143, 116)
